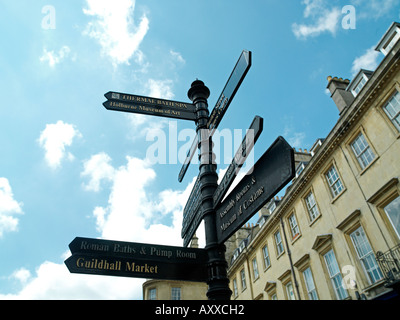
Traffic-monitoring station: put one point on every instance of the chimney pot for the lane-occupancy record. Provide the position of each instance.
(337, 87)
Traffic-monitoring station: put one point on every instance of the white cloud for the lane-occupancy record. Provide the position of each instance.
(54, 58)
(160, 89)
(132, 214)
(177, 57)
(295, 139)
(54, 138)
(8, 207)
(144, 126)
(22, 275)
(368, 61)
(324, 19)
(114, 28)
(53, 281)
(374, 9)
(97, 168)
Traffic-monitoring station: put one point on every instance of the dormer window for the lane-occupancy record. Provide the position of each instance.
(390, 43)
(300, 169)
(359, 86)
(272, 207)
(316, 146)
(242, 245)
(389, 39)
(359, 81)
(262, 220)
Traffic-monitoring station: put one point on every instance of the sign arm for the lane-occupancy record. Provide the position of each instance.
(235, 80)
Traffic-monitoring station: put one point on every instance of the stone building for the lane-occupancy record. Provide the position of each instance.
(335, 233)
(175, 290)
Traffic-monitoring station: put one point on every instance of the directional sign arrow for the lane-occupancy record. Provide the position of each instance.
(195, 223)
(149, 106)
(240, 157)
(138, 260)
(269, 175)
(133, 268)
(235, 80)
(192, 206)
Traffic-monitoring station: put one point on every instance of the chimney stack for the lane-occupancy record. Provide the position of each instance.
(195, 242)
(340, 95)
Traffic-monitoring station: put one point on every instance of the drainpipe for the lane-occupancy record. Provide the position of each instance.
(290, 260)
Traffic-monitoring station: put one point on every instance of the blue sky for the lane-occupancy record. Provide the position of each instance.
(69, 167)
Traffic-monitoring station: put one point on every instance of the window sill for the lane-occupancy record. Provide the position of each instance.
(369, 165)
(316, 219)
(296, 237)
(338, 196)
(280, 255)
(265, 269)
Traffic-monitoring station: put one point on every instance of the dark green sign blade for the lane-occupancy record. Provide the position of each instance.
(228, 93)
(133, 268)
(240, 157)
(138, 260)
(149, 101)
(235, 80)
(149, 110)
(270, 174)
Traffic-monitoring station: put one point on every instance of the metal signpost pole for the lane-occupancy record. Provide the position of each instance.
(218, 282)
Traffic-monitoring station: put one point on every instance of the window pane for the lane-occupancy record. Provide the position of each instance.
(393, 212)
(290, 292)
(396, 121)
(334, 181)
(331, 263)
(311, 206)
(312, 292)
(392, 109)
(267, 261)
(176, 294)
(255, 268)
(243, 279)
(366, 255)
(153, 294)
(278, 240)
(362, 151)
(335, 275)
(294, 228)
(235, 289)
(341, 293)
(360, 85)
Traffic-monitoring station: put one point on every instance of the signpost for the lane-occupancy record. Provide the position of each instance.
(138, 260)
(221, 219)
(235, 80)
(269, 175)
(192, 214)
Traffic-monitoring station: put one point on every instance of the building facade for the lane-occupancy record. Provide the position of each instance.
(175, 290)
(336, 232)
